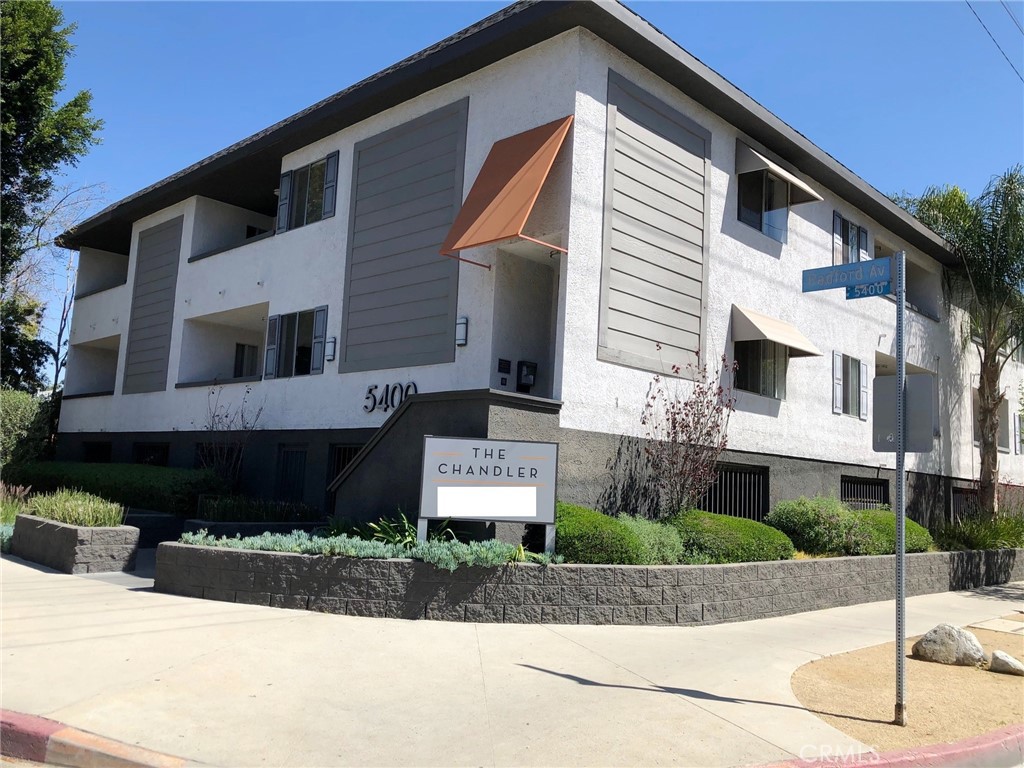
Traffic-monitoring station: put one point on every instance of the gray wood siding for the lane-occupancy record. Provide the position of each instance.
(149, 329)
(655, 255)
(400, 293)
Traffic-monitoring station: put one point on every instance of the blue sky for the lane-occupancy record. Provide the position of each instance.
(904, 94)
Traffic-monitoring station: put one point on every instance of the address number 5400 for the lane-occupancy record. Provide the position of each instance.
(391, 396)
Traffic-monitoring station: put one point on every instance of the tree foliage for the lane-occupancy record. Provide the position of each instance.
(38, 136)
(986, 234)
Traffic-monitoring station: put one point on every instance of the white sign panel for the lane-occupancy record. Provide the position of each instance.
(492, 480)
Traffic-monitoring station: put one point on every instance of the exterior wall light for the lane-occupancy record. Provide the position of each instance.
(462, 331)
(330, 348)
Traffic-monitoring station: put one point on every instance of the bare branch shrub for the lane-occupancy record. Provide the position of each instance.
(228, 431)
(686, 433)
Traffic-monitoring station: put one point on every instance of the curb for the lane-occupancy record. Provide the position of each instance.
(41, 740)
(1003, 748)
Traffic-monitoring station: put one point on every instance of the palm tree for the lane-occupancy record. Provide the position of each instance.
(987, 236)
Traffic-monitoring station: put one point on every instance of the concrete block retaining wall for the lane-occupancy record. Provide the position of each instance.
(74, 548)
(566, 594)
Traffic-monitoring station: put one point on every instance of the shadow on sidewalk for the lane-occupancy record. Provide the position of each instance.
(692, 693)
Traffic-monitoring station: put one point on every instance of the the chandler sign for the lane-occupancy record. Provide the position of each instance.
(491, 480)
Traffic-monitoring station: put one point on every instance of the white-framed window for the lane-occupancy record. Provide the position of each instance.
(761, 368)
(295, 344)
(849, 386)
(307, 194)
(849, 241)
(764, 203)
(1003, 440)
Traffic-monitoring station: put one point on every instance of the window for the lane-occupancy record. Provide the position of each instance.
(295, 344)
(1003, 438)
(863, 492)
(738, 491)
(761, 368)
(97, 452)
(764, 203)
(849, 242)
(849, 386)
(246, 360)
(307, 194)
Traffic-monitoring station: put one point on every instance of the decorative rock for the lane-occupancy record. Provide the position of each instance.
(947, 644)
(1006, 664)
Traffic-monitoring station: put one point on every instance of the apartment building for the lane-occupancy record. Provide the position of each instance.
(507, 235)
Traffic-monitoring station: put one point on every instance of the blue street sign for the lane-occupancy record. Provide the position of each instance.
(870, 289)
(858, 273)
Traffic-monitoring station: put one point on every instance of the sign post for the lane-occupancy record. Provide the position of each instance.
(861, 280)
(900, 717)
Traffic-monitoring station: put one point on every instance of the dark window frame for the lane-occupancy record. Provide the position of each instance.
(295, 207)
(751, 357)
(757, 216)
(285, 358)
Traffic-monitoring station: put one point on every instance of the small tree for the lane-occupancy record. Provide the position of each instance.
(686, 434)
(228, 431)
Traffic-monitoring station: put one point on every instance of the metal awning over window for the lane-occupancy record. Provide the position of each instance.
(749, 160)
(506, 189)
(748, 325)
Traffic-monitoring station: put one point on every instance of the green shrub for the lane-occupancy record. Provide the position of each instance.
(76, 508)
(18, 410)
(161, 489)
(6, 532)
(447, 555)
(711, 538)
(13, 499)
(817, 526)
(659, 543)
(583, 535)
(1004, 532)
(873, 532)
(245, 509)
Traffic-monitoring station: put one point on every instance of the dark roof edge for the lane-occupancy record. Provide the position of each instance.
(477, 45)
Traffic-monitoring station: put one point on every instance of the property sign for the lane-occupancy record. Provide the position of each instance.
(858, 273)
(869, 289)
(491, 480)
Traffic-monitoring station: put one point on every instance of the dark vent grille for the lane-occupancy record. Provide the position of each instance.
(864, 492)
(504, 366)
(963, 503)
(739, 491)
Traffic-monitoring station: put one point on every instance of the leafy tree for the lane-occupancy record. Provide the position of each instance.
(37, 137)
(987, 235)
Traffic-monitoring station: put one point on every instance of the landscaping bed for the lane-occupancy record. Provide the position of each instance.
(564, 594)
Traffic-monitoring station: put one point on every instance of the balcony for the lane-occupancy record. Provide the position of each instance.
(223, 347)
(99, 271)
(221, 227)
(92, 368)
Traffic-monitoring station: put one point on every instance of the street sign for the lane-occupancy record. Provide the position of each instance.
(858, 273)
(869, 289)
(919, 416)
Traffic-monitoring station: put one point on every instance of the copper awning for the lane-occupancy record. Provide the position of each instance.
(507, 188)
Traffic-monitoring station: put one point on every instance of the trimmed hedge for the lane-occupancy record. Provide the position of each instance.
(660, 543)
(825, 526)
(875, 534)
(583, 535)
(161, 489)
(817, 526)
(711, 538)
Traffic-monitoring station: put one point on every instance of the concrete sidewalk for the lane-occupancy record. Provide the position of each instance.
(236, 685)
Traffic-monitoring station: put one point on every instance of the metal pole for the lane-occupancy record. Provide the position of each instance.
(901, 488)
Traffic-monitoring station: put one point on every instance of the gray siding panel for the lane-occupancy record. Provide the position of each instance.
(152, 311)
(400, 293)
(652, 292)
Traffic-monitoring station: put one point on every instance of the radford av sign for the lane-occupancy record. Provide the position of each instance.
(489, 480)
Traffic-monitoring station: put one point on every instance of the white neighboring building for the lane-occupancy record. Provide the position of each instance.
(300, 271)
